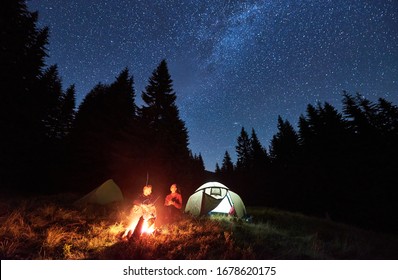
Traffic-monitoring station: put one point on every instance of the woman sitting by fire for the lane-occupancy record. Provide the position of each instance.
(173, 203)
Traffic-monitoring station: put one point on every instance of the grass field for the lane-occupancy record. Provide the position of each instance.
(52, 228)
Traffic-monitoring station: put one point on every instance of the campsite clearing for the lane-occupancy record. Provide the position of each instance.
(52, 228)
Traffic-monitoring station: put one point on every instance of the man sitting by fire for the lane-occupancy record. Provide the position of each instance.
(173, 203)
(144, 205)
(145, 197)
(143, 211)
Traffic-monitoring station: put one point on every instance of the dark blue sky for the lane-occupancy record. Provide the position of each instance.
(234, 63)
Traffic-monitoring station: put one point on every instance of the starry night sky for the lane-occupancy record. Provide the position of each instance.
(233, 63)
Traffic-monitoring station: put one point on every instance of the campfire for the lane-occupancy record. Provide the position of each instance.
(142, 221)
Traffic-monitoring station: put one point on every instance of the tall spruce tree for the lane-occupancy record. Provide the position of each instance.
(388, 117)
(22, 56)
(103, 133)
(285, 144)
(122, 94)
(323, 132)
(200, 165)
(48, 102)
(259, 156)
(67, 111)
(227, 172)
(108, 107)
(160, 113)
(360, 115)
(243, 151)
(217, 169)
(324, 146)
(227, 167)
(23, 51)
(195, 175)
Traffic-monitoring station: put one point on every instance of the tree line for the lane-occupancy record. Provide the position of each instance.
(49, 144)
(340, 165)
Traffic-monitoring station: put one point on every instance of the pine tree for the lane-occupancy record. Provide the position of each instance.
(22, 54)
(323, 131)
(122, 98)
(90, 140)
(108, 107)
(48, 102)
(285, 144)
(197, 163)
(243, 151)
(388, 116)
(67, 111)
(195, 174)
(105, 136)
(217, 170)
(159, 98)
(360, 114)
(23, 49)
(227, 167)
(200, 163)
(259, 155)
(91, 110)
(170, 136)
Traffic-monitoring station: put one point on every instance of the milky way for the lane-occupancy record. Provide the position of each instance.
(234, 63)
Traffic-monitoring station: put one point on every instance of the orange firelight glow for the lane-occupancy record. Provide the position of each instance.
(148, 213)
(146, 228)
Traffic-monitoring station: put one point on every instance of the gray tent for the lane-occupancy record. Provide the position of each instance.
(106, 193)
(214, 197)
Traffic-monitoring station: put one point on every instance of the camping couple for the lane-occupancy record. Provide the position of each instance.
(172, 202)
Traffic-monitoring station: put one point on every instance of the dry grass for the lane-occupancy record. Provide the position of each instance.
(52, 228)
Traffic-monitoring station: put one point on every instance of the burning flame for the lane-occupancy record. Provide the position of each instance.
(148, 214)
(146, 228)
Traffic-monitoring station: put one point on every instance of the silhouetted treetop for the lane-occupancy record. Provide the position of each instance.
(243, 150)
(285, 143)
(161, 112)
(227, 164)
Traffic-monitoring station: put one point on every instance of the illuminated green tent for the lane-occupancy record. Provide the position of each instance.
(106, 193)
(214, 197)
